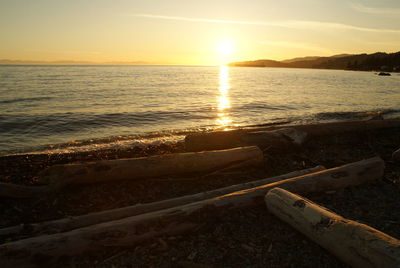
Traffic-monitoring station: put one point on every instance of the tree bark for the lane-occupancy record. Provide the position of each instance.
(147, 167)
(356, 244)
(127, 231)
(280, 138)
(71, 223)
(272, 136)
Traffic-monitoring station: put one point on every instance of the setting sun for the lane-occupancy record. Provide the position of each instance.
(225, 48)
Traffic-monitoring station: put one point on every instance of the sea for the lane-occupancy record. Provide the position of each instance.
(62, 109)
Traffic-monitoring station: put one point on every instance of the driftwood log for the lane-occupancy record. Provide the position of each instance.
(59, 176)
(131, 230)
(272, 136)
(354, 243)
(280, 138)
(71, 223)
(148, 167)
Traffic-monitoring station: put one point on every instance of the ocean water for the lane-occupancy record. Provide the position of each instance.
(71, 108)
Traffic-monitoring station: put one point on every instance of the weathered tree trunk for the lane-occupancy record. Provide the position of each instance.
(271, 136)
(129, 230)
(71, 223)
(280, 138)
(354, 243)
(147, 167)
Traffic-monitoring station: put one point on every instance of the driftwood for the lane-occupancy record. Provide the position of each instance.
(71, 223)
(270, 136)
(280, 138)
(148, 167)
(131, 230)
(59, 176)
(354, 243)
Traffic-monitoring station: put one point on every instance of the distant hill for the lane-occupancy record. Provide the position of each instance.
(379, 61)
(301, 59)
(259, 63)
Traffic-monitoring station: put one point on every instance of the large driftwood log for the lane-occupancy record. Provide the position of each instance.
(354, 243)
(147, 167)
(131, 230)
(270, 136)
(280, 138)
(71, 223)
(59, 176)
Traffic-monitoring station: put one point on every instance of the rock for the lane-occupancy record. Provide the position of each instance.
(384, 74)
(396, 155)
(192, 255)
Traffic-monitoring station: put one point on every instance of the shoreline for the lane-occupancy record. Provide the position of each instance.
(91, 144)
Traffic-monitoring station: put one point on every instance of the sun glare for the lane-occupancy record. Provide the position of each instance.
(225, 48)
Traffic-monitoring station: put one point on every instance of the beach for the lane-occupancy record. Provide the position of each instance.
(227, 238)
(200, 134)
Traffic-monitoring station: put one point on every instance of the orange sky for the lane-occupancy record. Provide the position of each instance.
(194, 32)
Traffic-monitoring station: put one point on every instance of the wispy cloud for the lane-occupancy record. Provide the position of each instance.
(152, 16)
(375, 10)
(297, 45)
(342, 26)
(295, 24)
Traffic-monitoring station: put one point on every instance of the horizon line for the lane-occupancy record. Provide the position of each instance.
(3, 62)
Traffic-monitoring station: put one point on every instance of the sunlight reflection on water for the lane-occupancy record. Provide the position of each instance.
(223, 99)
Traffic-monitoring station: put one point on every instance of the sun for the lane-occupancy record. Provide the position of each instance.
(225, 48)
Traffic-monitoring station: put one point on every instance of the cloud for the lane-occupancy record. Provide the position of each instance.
(342, 26)
(306, 46)
(375, 10)
(295, 24)
(151, 16)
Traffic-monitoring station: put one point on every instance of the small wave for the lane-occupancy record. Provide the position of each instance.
(324, 116)
(98, 144)
(109, 143)
(74, 122)
(264, 106)
(25, 100)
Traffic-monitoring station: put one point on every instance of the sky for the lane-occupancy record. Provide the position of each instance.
(193, 32)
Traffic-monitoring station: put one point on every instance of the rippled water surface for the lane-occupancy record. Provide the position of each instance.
(99, 106)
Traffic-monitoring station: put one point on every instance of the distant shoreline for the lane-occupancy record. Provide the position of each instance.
(193, 66)
(376, 62)
(101, 65)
